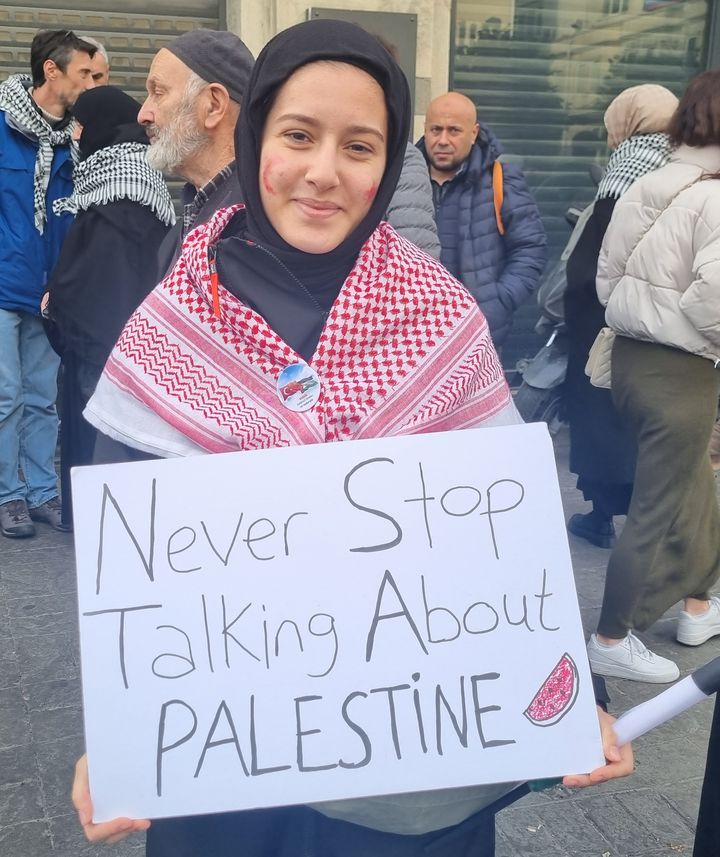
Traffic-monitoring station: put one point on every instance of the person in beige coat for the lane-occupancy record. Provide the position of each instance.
(659, 278)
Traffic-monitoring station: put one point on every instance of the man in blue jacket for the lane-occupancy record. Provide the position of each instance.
(495, 248)
(36, 164)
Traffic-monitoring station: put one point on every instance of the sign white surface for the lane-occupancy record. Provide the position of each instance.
(330, 621)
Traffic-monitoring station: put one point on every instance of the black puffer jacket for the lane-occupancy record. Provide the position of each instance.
(499, 270)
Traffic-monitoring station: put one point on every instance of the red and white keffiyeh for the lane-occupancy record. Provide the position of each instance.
(405, 350)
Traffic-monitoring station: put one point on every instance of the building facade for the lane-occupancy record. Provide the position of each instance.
(540, 71)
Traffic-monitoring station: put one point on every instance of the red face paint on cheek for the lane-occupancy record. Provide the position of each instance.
(370, 193)
(266, 172)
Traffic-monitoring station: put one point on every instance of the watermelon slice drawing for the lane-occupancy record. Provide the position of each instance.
(556, 696)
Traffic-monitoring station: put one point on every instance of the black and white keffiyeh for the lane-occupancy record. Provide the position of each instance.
(118, 172)
(16, 102)
(632, 159)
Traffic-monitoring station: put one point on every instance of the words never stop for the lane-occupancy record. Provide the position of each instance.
(330, 621)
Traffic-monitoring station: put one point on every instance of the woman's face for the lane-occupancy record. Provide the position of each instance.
(323, 154)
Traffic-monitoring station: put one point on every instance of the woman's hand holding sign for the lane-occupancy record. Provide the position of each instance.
(620, 762)
(109, 831)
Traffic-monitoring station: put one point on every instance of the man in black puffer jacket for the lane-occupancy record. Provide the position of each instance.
(498, 259)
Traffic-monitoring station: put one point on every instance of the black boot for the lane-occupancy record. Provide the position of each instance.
(594, 528)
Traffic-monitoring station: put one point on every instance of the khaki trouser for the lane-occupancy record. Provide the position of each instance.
(670, 546)
(714, 448)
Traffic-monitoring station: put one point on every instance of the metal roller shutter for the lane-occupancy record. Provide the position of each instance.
(131, 30)
(542, 72)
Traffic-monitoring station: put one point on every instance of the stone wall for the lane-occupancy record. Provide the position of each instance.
(256, 21)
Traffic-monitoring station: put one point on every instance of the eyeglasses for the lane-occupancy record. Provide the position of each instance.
(59, 36)
(57, 41)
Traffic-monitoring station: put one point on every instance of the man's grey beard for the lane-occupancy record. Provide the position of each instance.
(173, 145)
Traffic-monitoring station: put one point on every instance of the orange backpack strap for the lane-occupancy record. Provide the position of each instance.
(497, 183)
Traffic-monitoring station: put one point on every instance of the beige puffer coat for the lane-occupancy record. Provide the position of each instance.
(659, 267)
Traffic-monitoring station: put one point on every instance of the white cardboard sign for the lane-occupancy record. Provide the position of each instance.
(331, 621)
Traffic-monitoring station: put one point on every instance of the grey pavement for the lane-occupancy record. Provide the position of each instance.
(651, 814)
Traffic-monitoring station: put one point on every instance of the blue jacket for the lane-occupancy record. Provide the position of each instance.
(500, 271)
(26, 256)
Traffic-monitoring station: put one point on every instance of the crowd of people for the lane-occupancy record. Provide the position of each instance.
(307, 223)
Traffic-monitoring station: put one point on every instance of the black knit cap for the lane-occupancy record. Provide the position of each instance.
(217, 56)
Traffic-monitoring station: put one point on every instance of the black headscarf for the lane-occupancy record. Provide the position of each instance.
(295, 47)
(276, 284)
(108, 115)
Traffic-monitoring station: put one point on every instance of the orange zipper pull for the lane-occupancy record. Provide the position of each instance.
(214, 284)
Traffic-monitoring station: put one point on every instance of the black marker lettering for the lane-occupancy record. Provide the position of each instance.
(266, 645)
(226, 632)
(429, 611)
(542, 596)
(523, 620)
(290, 624)
(418, 713)
(330, 630)
(492, 511)
(423, 498)
(286, 527)
(480, 710)
(148, 560)
(398, 532)
(161, 747)
(256, 770)
(475, 501)
(224, 711)
(360, 732)
(121, 631)
(378, 616)
(250, 539)
(207, 635)
(494, 622)
(460, 731)
(224, 559)
(187, 659)
(302, 767)
(390, 691)
(171, 553)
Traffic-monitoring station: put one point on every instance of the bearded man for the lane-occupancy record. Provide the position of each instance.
(194, 90)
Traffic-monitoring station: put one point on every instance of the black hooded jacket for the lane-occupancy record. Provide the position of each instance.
(106, 267)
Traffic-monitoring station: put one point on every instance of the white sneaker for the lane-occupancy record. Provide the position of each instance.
(630, 659)
(695, 630)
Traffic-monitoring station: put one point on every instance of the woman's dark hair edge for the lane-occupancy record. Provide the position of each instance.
(696, 121)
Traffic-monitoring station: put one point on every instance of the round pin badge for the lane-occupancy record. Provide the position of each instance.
(298, 387)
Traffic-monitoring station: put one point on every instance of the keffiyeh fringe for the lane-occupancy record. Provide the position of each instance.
(15, 100)
(118, 172)
(631, 160)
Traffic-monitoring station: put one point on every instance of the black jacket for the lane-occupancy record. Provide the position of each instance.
(227, 194)
(602, 448)
(105, 270)
(500, 271)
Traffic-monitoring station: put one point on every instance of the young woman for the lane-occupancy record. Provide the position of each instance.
(307, 274)
(659, 276)
(107, 263)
